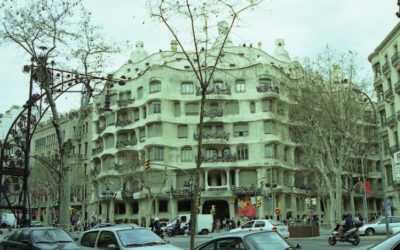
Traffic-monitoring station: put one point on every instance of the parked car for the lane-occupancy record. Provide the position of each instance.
(268, 225)
(123, 237)
(37, 238)
(379, 226)
(391, 243)
(260, 240)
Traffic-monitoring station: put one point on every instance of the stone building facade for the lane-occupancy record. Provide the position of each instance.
(248, 150)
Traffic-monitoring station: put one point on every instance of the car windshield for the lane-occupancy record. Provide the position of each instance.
(266, 241)
(50, 236)
(138, 237)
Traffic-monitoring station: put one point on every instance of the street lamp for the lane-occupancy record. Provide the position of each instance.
(378, 137)
(108, 195)
(272, 186)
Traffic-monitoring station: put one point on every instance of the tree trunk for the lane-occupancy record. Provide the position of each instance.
(332, 209)
(338, 191)
(65, 202)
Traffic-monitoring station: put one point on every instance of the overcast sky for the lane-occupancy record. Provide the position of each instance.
(306, 25)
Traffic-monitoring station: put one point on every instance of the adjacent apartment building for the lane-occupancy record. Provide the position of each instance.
(43, 180)
(385, 61)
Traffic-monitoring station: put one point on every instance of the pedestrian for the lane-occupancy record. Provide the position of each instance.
(218, 225)
(238, 223)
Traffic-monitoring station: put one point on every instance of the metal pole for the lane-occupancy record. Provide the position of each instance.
(378, 137)
(108, 209)
(365, 191)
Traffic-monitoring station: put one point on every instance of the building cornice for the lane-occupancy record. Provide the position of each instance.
(391, 34)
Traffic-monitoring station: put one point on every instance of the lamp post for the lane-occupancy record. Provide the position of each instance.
(365, 204)
(272, 185)
(378, 137)
(108, 194)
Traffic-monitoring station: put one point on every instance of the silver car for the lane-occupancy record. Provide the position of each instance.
(379, 226)
(123, 237)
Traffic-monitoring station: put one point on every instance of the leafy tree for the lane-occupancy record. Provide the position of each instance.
(330, 120)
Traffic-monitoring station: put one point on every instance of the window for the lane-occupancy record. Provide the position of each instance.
(240, 129)
(187, 154)
(252, 107)
(270, 151)
(144, 112)
(269, 127)
(119, 208)
(192, 109)
(182, 131)
(142, 135)
(266, 105)
(177, 109)
(184, 205)
(136, 115)
(157, 154)
(259, 224)
(266, 82)
(154, 130)
(140, 92)
(248, 224)
(240, 86)
(155, 107)
(135, 207)
(243, 153)
(231, 108)
(230, 243)
(155, 86)
(162, 206)
(187, 88)
(219, 84)
(211, 152)
(106, 238)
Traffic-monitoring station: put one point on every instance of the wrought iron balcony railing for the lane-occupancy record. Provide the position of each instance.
(246, 190)
(389, 94)
(392, 121)
(213, 113)
(123, 123)
(215, 135)
(395, 148)
(266, 88)
(216, 90)
(385, 68)
(125, 143)
(97, 150)
(225, 158)
(100, 129)
(124, 103)
(395, 58)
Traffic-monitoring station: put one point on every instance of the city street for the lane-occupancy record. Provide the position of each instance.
(315, 243)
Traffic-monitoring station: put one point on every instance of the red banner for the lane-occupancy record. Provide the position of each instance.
(245, 207)
(367, 188)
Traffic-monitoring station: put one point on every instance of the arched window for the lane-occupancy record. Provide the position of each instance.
(155, 86)
(187, 154)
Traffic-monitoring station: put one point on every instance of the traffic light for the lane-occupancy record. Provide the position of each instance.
(213, 210)
(198, 201)
(258, 202)
(147, 164)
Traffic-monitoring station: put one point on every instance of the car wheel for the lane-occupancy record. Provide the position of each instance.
(332, 241)
(204, 232)
(370, 232)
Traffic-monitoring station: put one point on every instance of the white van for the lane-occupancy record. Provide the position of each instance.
(204, 222)
(8, 219)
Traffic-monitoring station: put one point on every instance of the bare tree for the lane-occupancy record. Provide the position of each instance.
(189, 23)
(330, 119)
(45, 29)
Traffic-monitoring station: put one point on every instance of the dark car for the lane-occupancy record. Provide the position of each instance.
(259, 240)
(37, 238)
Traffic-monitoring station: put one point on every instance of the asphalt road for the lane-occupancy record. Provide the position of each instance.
(317, 243)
